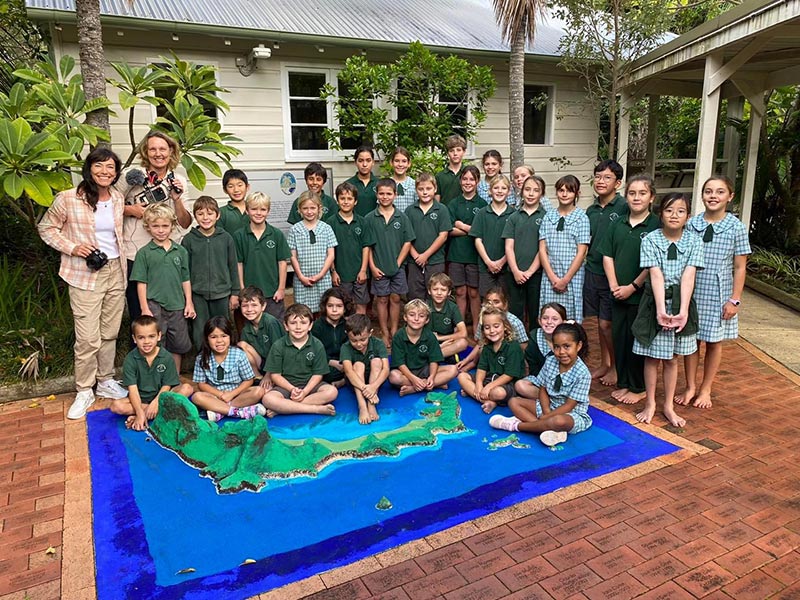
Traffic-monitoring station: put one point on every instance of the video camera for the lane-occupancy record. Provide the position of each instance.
(155, 189)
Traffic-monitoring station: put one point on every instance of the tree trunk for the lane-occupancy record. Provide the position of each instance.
(92, 57)
(516, 99)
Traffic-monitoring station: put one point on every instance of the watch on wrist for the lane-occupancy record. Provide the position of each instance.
(636, 286)
(734, 302)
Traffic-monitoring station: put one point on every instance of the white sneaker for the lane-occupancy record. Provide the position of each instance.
(83, 400)
(214, 416)
(553, 438)
(507, 423)
(111, 388)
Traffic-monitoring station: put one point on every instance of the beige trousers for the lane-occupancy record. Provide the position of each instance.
(98, 315)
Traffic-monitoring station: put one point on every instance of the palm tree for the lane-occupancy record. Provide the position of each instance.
(90, 50)
(517, 20)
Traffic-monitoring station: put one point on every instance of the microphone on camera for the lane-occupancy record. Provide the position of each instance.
(135, 177)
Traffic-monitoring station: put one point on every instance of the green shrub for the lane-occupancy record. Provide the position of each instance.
(776, 268)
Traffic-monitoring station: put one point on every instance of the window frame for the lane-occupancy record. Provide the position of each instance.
(549, 127)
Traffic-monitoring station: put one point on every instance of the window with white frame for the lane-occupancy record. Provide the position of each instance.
(538, 113)
(168, 93)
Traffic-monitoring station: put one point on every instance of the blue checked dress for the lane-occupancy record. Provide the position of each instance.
(235, 369)
(409, 195)
(562, 246)
(714, 285)
(654, 254)
(575, 385)
(311, 258)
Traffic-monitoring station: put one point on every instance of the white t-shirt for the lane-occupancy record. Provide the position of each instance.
(104, 229)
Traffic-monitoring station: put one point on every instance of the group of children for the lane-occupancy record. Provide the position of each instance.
(386, 240)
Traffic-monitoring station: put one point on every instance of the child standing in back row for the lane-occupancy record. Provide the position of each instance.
(312, 244)
(364, 181)
(315, 175)
(406, 186)
(718, 290)
(448, 184)
(563, 241)
(233, 216)
(492, 163)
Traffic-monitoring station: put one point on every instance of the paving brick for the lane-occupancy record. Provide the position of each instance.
(654, 544)
(574, 553)
(727, 513)
(526, 573)
(658, 570)
(786, 569)
(613, 537)
(570, 582)
(489, 540)
(704, 579)
(532, 592)
(541, 521)
(609, 564)
(435, 584)
(574, 529)
(395, 594)
(734, 535)
(393, 576)
(352, 590)
(755, 586)
(613, 514)
(778, 542)
(444, 557)
(743, 559)
(489, 588)
(667, 591)
(533, 545)
(575, 508)
(647, 500)
(697, 552)
(621, 587)
(484, 565)
(692, 528)
(654, 520)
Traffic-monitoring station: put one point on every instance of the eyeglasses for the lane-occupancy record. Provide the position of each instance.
(312, 237)
(606, 178)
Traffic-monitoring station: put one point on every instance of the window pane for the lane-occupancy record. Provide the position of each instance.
(308, 138)
(306, 85)
(351, 142)
(537, 103)
(308, 111)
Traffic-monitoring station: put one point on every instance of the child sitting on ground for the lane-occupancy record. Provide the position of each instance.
(416, 354)
(500, 365)
(297, 363)
(148, 371)
(366, 365)
(261, 329)
(562, 405)
(447, 323)
(329, 329)
(540, 347)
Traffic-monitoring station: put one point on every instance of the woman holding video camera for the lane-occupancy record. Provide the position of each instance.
(153, 182)
(85, 225)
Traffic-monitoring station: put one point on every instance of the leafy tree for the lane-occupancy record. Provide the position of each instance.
(517, 20)
(21, 42)
(433, 96)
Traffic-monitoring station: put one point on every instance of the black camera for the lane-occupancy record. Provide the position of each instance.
(152, 195)
(96, 260)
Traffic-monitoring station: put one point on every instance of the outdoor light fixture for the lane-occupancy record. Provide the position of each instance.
(248, 64)
(175, 37)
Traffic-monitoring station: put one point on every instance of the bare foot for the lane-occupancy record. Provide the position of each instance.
(610, 378)
(363, 416)
(703, 400)
(599, 372)
(686, 397)
(632, 398)
(387, 342)
(129, 422)
(646, 416)
(489, 406)
(327, 410)
(443, 386)
(270, 413)
(617, 394)
(373, 414)
(405, 390)
(673, 418)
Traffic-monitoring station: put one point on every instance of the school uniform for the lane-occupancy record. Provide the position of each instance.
(596, 293)
(297, 365)
(260, 258)
(406, 194)
(461, 253)
(329, 207)
(417, 356)
(351, 240)
(448, 184)
(714, 284)
(656, 252)
(387, 238)
(444, 321)
(231, 219)
(523, 228)
(333, 337)
(312, 247)
(375, 349)
(149, 378)
(562, 236)
(506, 360)
(366, 194)
(427, 225)
(574, 385)
(488, 226)
(227, 375)
(261, 337)
(536, 353)
(623, 242)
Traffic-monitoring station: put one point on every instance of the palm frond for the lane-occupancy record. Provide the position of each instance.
(518, 17)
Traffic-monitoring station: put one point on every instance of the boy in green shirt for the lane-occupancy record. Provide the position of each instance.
(448, 180)
(316, 176)
(147, 372)
(213, 269)
(296, 364)
(263, 254)
(366, 365)
(352, 251)
(431, 222)
(416, 354)
(447, 323)
(233, 216)
(260, 331)
(161, 269)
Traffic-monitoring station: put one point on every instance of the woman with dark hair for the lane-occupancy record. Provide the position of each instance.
(153, 181)
(85, 225)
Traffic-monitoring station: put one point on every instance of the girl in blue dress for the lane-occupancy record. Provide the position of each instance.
(718, 290)
(666, 324)
(564, 238)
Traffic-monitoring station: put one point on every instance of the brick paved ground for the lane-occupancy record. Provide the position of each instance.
(724, 524)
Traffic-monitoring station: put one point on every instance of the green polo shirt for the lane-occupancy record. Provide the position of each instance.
(164, 272)
(523, 228)
(332, 337)
(149, 379)
(297, 365)
(262, 337)
(329, 207)
(623, 243)
(488, 226)
(260, 257)
(507, 360)
(351, 238)
(600, 219)
(444, 321)
(415, 356)
(448, 184)
(231, 219)
(366, 198)
(387, 238)
(462, 248)
(427, 227)
(375, 349)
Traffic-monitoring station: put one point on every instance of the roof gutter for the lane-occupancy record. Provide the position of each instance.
(135, 23)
